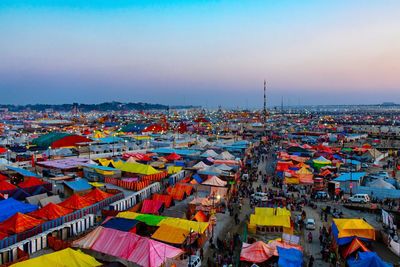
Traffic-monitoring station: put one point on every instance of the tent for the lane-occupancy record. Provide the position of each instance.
(271, 217)
(305, 176)
(355, 245)
(20, 194)
(172, 157)
(380, 183)
(170, 234)
(370, 259)
(225, 156)
(97, 195)
(135, 168)
(19, 223)
(345, 230)
(257, 252)
(166, 199)
(200, 165)
(76, 202)
(6, 186)
(210, 171)
(199, 227)
(151, 206)
(209, 153)
(121, 224)
(290, 257)
(10, 206)
(200, 217)
(321, 162)
(224, 167)
(66, 257)
(214, 181)
(149, 219)
(30, 182)
(174, 169)
(50, 212)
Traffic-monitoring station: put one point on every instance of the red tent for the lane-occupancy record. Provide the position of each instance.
(50, 212)
(201, 120)
(138, 156)
(200, 217)
(19, 223)
(96, 195)
(31, 181)
(257, 252)
(166, 199)
(182, 128)
(3, 150)
(173, 156)
(4, 186)
(3, 235)
(76, 202)
(151, 206)
(3, 177)
(355, 245)
(155, 128)
(70, 141)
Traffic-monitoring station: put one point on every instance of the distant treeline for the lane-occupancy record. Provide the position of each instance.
(108, 106)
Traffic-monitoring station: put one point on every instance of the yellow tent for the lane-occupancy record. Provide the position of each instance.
(98, 134)
(174, 169)
(291, 180)
(96, 184)
(199, 227)
(128, 214)
(354, 227)
(132, 167)
(63, 258)
(272, 212)
(271, 217)
(170, 234)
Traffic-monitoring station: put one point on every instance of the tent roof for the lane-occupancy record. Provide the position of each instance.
(19, 223)
(343, 228)
(97, 195)
(354, 246)
(200, 165)
(173, 156)
(170, 234)
(370, 259)
(66, 257)
(214, 181)
(151, 206)
(257, 252)
(31, 181)
(78, 185)
(76, 202)
(152, 220)
(200, 217)
(290, 257)
(199, 227)
(5, 186)
(120, 224)
(50, 212)
(10, 206)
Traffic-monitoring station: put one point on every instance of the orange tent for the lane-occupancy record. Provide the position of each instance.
(50, 212)
(200, 217)
(166, 199)
(97, 195)
(19, 223)
(355, 245)
(76, 202)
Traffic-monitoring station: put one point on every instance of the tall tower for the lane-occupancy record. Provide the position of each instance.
(265, 103)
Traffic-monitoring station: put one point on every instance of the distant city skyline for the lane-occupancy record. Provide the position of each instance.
(206, 53)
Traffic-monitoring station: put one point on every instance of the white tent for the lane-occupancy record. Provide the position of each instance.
(214, 181)
(210, 153)
(224, 167)
(226, 156)
(380, 183)
(200, 165)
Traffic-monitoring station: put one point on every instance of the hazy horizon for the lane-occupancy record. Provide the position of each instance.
(205, 53)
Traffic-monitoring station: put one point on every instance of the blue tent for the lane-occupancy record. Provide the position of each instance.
(11, 206)
(290, 257)
(121, 224)
(20, 194)
(40, 190)
(370, 259)
(197, 178)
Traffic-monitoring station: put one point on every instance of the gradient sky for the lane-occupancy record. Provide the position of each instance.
(208, 53)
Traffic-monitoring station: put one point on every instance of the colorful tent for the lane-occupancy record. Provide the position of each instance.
(174, 169)
(355, 245)
(345, 230)
(271, 217)
(97, 195)
(19, 223)
(214, 181)
(63, 258)
(370, 259)
(257, 252)
(76, 202)
(199, 227)
(152, 220)
(50, 212)
(10, 206)
(305, 176)
(121, 224)
(135, 168)
(200, 217)
(151, 206)
(6, 186)
(170, 234)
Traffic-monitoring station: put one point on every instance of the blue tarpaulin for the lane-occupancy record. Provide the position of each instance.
(20, 194)
(290, 257)
(79, 185)
(11, 206)
(120, 224)
(370, 259)
(197, 178)
(355, 176)
(22, 171)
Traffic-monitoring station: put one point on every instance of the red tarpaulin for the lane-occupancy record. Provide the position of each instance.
(31, 181)
(5, 186)
(150, 206)
(166, 199)
(3, 150)
(97, 195)
(172, 157)
(50, 212)
(3, 177)
(19, 223)
(76, 202)
(70, 141)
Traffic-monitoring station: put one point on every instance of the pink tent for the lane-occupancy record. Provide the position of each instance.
(214, 181)
(257, 252)
(129, 246)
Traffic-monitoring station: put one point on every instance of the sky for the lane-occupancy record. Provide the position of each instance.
(207, 53)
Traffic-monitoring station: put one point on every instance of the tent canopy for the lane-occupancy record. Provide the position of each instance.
(10, 206)
(344, 230)
(214, 181)
(257, 252)
(76, 202)
(50, 212)
(370, 259)
(170, 234)
(19, 223)
(96, 195)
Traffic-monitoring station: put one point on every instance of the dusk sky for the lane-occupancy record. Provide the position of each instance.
(206, 53)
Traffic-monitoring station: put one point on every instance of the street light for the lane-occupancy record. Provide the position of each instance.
(90, 145)
(49, 151)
